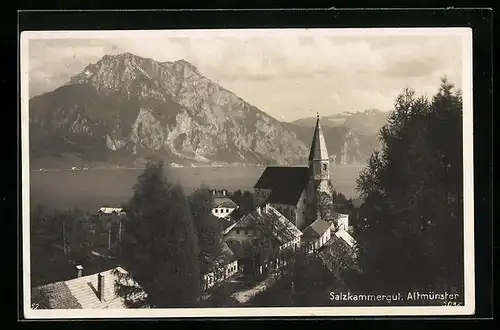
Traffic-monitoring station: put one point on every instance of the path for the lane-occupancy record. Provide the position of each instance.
(245, 295)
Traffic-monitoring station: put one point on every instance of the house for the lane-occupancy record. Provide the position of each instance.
(222, 205)
(342, 221)
(303, 194)
(317, 234)
(110, 211)
(91, 291)
(260, 239)
(225, 267)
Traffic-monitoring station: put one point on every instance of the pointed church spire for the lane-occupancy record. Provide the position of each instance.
(318, 146)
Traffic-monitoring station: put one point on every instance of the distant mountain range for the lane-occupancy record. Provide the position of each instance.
(125, 108)
(367, 122)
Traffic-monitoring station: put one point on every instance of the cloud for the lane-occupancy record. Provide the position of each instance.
(284, 76)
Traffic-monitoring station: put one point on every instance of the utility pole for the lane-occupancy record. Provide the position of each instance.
(64, 236)
(109, 239)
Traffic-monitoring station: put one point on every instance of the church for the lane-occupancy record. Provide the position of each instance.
(303, 194)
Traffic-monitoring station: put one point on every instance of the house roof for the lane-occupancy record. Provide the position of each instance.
(227, 255)
(228, 229)
(318, 146)
(271, 221)
(81, 292)
(317, 228)
(110, 210)
(241, 249)
(223, 201)
(286, 183)
(344, 235)
(337, 255)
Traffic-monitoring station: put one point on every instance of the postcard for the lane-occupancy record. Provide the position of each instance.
(239, 173)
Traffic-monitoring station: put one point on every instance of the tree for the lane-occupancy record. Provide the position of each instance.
(160, 247)
(208, 228)
(80, 235)
(248, 202)
(413, 197)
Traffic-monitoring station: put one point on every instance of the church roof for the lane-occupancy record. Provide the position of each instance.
(318, 145)
(286, 183)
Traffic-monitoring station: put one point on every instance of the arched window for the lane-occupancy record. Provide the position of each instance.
(324, 167)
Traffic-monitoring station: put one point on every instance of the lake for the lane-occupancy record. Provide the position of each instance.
(93, 188)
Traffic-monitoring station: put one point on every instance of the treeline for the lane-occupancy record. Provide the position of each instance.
(245, 202)
(412, 234)
(61, 239)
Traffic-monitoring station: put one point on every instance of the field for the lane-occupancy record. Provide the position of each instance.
(91, 189)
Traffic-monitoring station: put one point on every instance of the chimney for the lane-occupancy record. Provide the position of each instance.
(258, 210)
(79, 270)
(267, 208)
(223, 192)
(100, 287)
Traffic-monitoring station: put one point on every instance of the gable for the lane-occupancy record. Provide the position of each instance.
(317, 228)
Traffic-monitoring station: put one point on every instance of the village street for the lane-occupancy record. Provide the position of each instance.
(244, 296)
(237, 291)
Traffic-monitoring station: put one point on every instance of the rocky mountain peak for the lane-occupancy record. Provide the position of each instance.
(129, 106)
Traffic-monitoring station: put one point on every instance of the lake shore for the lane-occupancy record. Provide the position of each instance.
(93, 188)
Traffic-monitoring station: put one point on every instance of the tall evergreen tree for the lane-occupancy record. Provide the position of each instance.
(208, 228)
(412, 237)
(160, 246)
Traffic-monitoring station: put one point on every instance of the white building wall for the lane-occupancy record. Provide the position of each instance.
(222, 274)
(222, 212)
(343, 222)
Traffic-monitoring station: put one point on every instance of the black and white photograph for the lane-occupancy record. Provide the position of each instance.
(247, 172)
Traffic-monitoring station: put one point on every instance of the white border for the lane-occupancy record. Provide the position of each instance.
(467, 309)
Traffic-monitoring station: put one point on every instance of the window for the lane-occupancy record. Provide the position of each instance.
(245, 232)
(237, 231)
(324, 167)
(216, 210)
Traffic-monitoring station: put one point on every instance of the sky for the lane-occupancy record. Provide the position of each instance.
(288, 75)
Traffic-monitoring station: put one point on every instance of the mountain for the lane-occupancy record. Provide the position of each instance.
(125, 108)
(367, 122)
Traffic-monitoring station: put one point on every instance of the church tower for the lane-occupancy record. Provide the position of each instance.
(319, 164)
(320, 189)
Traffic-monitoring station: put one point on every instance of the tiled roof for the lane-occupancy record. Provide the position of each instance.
(111, 210)
(317, 228)
(81, 293)
(337, 255)
(223, 201)
(270, 221)
(286, 183)
(228, 229)
(241, 249)
(59, 296)
(227, 254)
